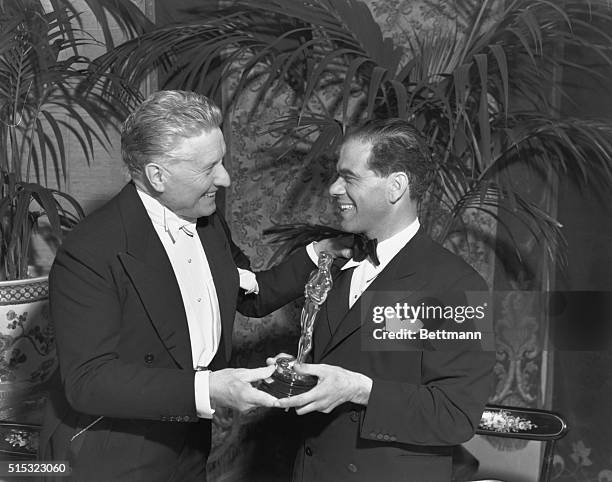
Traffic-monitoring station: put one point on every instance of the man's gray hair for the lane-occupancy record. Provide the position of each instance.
(161, 122)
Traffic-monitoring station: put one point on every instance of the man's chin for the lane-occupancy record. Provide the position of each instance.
(207, 212)
(204, 211)
(349, 227)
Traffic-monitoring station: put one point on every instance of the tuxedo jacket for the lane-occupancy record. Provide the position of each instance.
(124, 349)
(427, 396)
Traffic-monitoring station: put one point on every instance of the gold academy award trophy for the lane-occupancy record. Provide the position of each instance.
(285, 382)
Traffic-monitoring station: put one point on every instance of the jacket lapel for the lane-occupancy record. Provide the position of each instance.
(152, 276)
(224, 273)
(334, 309)
(321, 333)
(406, 272)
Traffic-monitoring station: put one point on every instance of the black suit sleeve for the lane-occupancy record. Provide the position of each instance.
(277, 286)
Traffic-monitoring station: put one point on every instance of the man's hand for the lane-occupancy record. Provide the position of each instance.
(232, 388)
(272, 360)
(336, 385)
(339, 247)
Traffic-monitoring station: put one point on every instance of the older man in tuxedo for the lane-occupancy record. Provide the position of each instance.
(143, 297)
(388, 409)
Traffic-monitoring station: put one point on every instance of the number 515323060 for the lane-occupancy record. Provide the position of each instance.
(59, 468)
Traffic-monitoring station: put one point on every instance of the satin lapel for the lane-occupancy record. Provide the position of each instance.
(333, 309)
(337, 305)
(152, 276)
(224, 273)
(405, 272)
(321, 334)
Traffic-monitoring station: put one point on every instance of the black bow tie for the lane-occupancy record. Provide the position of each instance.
(364, 247)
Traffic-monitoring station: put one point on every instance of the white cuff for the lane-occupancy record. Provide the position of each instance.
(312, 254)
(248, 281)
(202, 394)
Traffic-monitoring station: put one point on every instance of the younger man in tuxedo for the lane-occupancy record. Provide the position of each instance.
(389, 410)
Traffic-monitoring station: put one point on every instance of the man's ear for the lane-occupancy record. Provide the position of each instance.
(398, 186)
(156, 176)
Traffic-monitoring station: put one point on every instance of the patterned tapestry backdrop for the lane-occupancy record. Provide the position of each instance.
(268, 191)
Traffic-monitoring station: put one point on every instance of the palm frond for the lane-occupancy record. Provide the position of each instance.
(479, 87)
(46, 91)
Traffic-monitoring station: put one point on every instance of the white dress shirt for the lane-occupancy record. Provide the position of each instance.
(192, 271)
(365, 272)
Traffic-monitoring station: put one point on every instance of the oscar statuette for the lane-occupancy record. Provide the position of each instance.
(285, 382)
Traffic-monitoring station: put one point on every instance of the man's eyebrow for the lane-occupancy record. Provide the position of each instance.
(346, 172)
(213, 165)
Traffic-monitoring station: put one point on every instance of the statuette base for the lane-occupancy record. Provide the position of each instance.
(285, 382)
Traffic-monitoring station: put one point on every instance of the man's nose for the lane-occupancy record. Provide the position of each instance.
(337, 187)
(222, 178)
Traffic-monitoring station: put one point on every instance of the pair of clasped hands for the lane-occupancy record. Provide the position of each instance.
(236, 388)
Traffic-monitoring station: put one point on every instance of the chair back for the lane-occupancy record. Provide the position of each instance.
(19, 440)
(527, 424)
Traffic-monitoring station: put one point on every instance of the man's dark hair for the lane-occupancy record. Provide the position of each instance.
(398, 146)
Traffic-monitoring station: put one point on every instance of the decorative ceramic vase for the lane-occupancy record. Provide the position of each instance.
(27, 347)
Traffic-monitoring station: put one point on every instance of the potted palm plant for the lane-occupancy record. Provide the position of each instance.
(43, 101)
(479, 86)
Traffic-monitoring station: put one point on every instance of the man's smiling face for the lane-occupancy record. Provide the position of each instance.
(360, 193)
(192, 181)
